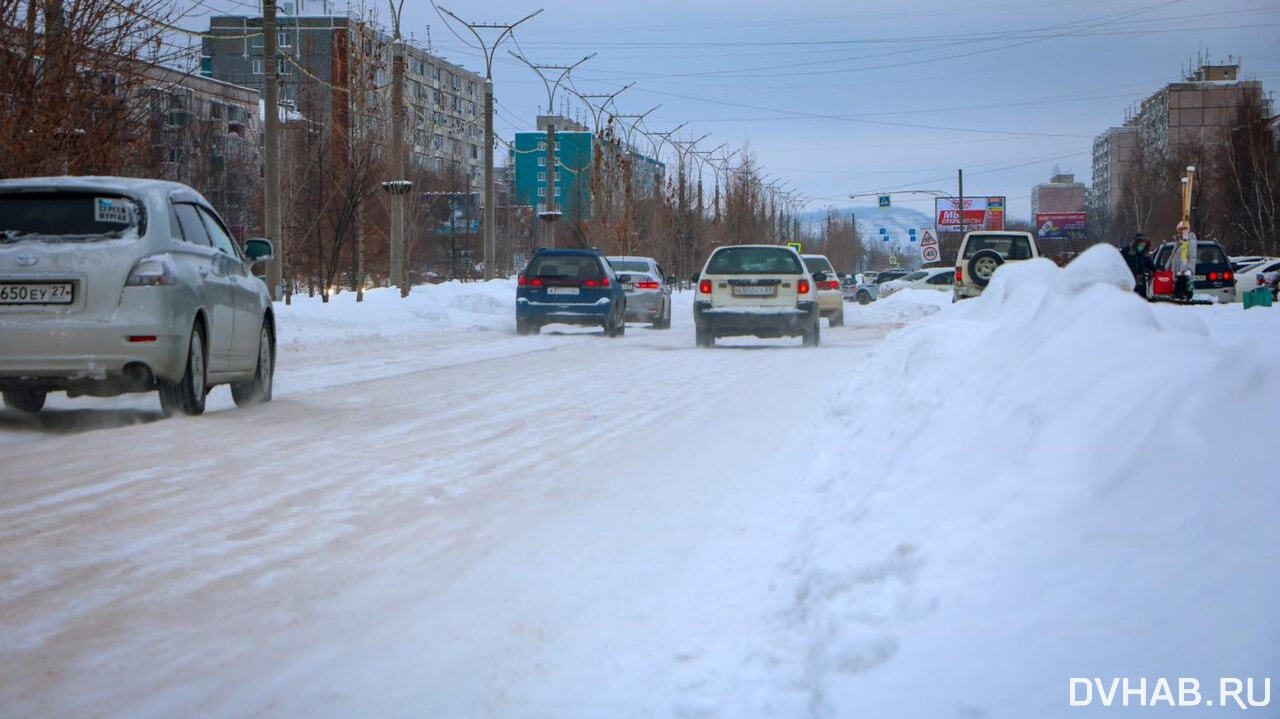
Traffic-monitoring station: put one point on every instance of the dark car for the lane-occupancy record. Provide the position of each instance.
(575, 287)
(1214, 275)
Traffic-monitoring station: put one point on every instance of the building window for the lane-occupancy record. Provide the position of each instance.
(542, 192)
(542, 177)
(257, 67)
(257, 40)
(457, 82)
(282, 39)
(542, 160)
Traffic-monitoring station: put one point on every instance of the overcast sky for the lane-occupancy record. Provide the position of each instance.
(836, 98)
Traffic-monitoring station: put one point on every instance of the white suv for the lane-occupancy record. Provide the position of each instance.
(982, 252)
(759, 290)
(830, 296)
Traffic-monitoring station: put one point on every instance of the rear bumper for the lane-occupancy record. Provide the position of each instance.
(762, 322)
(830, 303)
(644, 306)
(89, 357)
(570, 313)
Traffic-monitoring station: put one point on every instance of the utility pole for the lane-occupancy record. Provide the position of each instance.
(271, 193)
(550, 214)
(490, 228)
(398, 274)
(960, 202)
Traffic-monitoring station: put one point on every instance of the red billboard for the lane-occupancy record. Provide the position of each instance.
(980, 213)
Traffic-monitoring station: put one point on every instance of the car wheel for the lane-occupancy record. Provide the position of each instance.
(864, 298)
(983, 265)
(188, 393)
(812, 336)
(704, 338)
(25, 400)
(258, 389)
(837, 320)
(523, 327)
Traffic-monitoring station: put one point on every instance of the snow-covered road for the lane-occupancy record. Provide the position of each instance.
(943, 511)
(482, 522)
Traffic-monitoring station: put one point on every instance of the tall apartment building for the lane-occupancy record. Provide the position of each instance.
(1191, 112)
(328, 59)
(576, 152)
(1114, 152)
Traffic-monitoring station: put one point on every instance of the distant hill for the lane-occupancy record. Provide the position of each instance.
(897, 220)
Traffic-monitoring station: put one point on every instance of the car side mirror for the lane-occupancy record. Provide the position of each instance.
(258, 249)
(624, 279)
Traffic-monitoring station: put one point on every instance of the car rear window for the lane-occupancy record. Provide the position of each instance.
(754, 261)
(1010, 247)
(68, 216)
(1206, 254)
(629, 265)
(819, 264)
(568, 267)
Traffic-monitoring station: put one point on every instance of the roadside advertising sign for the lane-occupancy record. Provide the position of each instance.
(1061, 225)
(980, 213)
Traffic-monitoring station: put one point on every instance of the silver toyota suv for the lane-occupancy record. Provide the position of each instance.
(111, 285)
(981, 254)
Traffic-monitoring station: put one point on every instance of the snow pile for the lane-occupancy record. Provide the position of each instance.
(1036, 485)
(447, 307)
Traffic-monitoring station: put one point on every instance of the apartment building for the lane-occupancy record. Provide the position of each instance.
(336, 69)
(1191, 112)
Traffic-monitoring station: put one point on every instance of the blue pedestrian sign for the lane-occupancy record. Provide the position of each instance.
(884, 200)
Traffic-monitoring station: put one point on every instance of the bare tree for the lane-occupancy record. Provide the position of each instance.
(1252, 161)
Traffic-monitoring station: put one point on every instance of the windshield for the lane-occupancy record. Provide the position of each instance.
(1010, 247)
(819, 264)
(63, 216)
(913, 276)
(754, 261)
(629, 265)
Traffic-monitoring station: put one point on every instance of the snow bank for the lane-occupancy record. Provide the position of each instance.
(447, 307)
(1043, 480)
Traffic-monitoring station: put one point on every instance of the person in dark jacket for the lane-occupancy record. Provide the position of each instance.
(1139, 262)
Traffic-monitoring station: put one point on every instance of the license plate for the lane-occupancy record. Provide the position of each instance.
(628, 288)
(562, 290)
(754, 291)
(35, 293)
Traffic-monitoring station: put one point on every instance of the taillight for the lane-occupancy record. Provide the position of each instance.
(829, 285)
(535, 282)
(150, 272)
(959, 275)
(1213, 276)
(647, 285)
(602, 282)
(1229, 276)
(522, 280)
(704, 287)
(802, 287)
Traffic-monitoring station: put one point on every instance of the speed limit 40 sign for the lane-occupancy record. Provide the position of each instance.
(929, 248)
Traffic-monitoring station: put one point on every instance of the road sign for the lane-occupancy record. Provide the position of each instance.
(884, 233)
(893, 260)
(929, 251)
(911, 234)
(884, 200)
(795, 246)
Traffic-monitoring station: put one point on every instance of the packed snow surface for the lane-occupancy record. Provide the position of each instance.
(944, 511)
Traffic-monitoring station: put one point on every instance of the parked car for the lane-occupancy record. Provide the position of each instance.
(1214, 276)
(576, 287)
(932, 278)
(830, 296)
(1258, 274)
(648, 292)
(759, 290)
(1238, 263)
(111, 285)
(982, 252)
(867, 290)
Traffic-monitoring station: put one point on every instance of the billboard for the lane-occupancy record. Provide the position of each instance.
(980, 213)
(1060, 225)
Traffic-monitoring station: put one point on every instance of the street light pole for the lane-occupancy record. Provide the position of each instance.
(490, 228)
(398, 274)
(271, 148)
(551, 214)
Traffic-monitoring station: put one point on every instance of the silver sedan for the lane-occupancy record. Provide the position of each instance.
(111, 285)
(648, 291)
